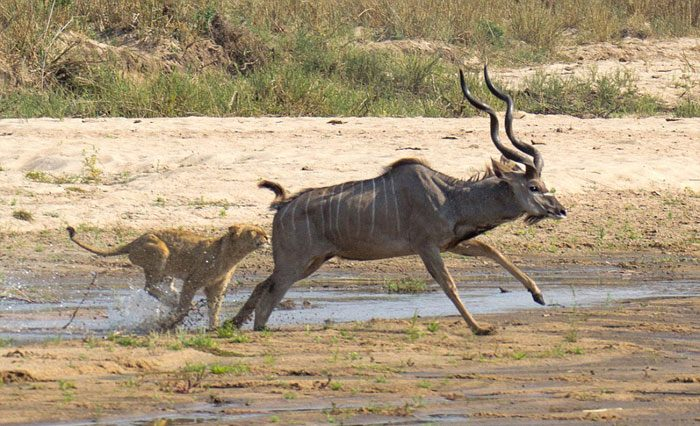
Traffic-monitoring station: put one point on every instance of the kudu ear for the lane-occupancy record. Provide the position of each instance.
(510, 165)
(498, 169)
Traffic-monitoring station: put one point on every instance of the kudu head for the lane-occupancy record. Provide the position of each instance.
(527, 186)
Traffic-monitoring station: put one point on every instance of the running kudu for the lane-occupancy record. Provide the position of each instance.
(410, 209)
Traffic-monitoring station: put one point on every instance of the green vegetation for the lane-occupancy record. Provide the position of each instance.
(413, 332)
(595, 95)
(235, 369)
(65, 385)
(406, 286)
(23, 215)
(283, 57)
(687, 108)
(90, 173)
(194, 368)
(199, 341)
(129, 341)
(519, 355)
(234, 335)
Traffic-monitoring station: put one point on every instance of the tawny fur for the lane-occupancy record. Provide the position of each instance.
(201, 262)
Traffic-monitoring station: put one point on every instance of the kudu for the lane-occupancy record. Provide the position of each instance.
(410, 209)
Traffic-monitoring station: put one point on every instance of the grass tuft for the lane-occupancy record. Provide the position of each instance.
(687, 109)
(593, 95)
(406, 286)
(23, 215)
(234, 369)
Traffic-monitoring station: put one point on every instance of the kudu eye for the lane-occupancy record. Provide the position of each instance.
(533, 188)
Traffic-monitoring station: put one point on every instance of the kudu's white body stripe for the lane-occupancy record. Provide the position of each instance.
(374, 206)
(337, 209)
(308, 221)
(396, 204)
(386, 200)
(294, 219)
(323, 219)
(359, 209)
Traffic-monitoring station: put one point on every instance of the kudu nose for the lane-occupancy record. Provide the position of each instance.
(562, 212)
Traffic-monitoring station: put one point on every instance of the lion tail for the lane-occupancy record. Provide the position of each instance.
(116, 252)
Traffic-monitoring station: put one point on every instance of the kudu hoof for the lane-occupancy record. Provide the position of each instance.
(484, 331)
(538, 298)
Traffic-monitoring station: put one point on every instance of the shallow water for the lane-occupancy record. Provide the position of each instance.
(119, 304)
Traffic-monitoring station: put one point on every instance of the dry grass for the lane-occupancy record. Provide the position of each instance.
(74, 57)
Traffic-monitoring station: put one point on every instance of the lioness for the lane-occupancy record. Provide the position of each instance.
(199, 261)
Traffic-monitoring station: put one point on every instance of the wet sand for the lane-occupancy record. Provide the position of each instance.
(630, 362)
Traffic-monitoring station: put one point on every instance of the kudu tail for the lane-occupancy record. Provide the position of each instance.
(117, 251)
(280, 193)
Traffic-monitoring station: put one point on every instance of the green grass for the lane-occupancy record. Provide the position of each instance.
(354, 83)
(593, 95)
(406, 286)
(234, 369)
(519, 355)
(129, 341)
(233, 334)
(197, 368)
(65, 385)
(199, 341)
(316, 58)
(688, 108)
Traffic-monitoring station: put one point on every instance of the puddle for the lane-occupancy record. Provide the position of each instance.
(221, 414)
(119, 304)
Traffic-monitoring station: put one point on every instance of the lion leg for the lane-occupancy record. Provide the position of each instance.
(189, 289)
(152, 255)
(215, 297)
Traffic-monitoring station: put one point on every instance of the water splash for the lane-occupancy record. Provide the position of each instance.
(135, 310)
(138, 311)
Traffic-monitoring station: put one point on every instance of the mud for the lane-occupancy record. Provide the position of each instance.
(629, 362)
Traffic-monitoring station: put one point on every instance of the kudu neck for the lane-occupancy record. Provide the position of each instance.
(488, 202)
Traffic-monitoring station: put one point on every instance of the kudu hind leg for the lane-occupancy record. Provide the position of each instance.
(436, 267)
(280, 283)
(248, 307)
(477, 248)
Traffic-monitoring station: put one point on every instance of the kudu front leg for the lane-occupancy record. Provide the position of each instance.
(436, 267)
(478, 248)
